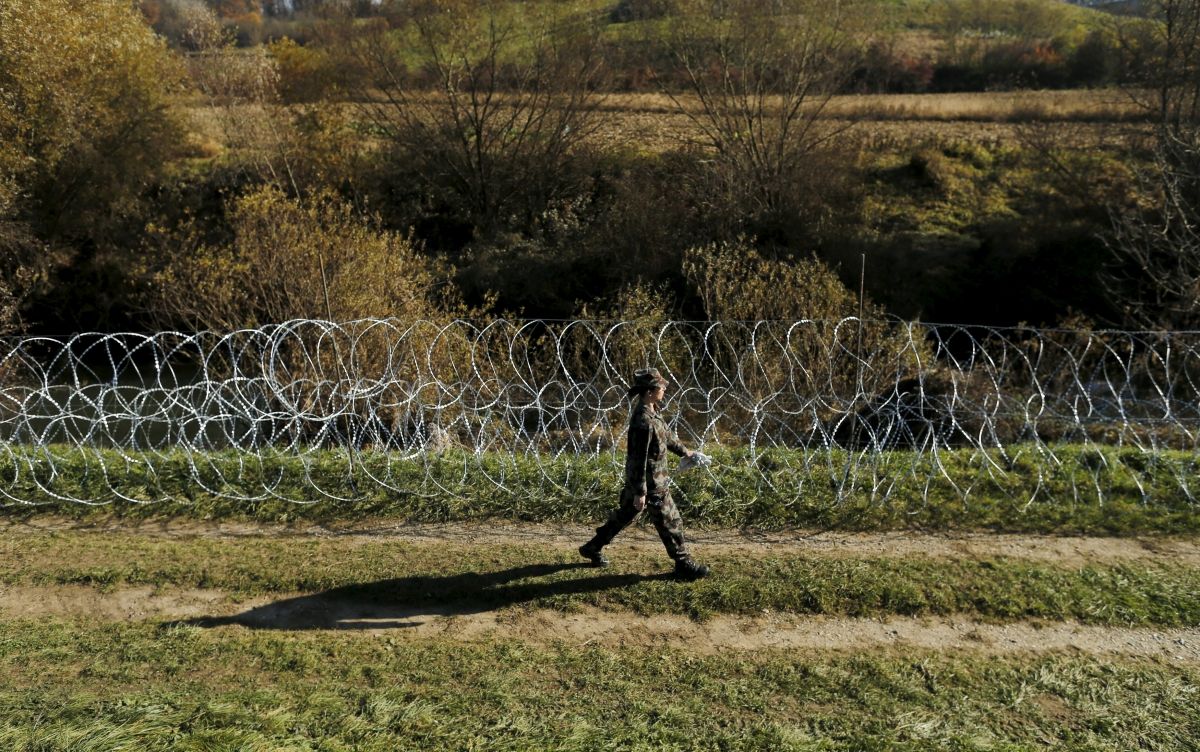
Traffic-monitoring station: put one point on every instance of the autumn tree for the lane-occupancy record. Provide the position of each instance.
(289, 258)
(315, 258)
(785, 312)
(84, 126)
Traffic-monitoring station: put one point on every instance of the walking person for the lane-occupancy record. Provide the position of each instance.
(646, 482)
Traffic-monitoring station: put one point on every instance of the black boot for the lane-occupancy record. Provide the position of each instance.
(592, 553)
(688, 568)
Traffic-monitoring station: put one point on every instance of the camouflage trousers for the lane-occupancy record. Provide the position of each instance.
(662, 512)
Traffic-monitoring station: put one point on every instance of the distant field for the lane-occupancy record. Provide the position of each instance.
(1091, 105)
(657, 122)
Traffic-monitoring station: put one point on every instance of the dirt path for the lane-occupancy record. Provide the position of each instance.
(219, 609)
(216, 609)
(1068, 550)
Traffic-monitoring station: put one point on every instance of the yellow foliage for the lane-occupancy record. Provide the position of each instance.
(312, 258)
(792, 326)
(305, 74)
(83, 124)
(84, 88)
(633, 333)
(735, 283)
(317, 258)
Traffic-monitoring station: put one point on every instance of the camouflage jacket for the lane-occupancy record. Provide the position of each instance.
(646, 452)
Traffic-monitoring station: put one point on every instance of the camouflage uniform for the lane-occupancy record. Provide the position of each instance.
(646, 474)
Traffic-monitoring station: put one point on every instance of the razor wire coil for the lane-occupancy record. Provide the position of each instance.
(308, 411)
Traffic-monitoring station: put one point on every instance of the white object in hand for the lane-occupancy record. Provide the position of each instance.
(695, 459)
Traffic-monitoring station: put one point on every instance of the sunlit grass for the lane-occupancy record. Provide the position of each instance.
(70, 687)
(1024, 488)
(478, 574)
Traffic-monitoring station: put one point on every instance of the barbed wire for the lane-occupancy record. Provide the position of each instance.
(310, 411)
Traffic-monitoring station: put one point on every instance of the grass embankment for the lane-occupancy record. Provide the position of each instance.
(146, 687)
(493, 576)
(1059, 488)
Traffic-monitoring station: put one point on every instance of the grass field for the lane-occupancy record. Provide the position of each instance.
(658, 123)
(465, 619)
(1087, 105)
(191, 689)
(231, 637)
(1059, 488)
(458, 615)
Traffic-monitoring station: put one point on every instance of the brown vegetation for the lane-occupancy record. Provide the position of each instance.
(1155, 232)
(497, 139)
(311, 258)
(84, 122)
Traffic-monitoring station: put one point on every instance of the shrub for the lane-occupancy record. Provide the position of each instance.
(309, 258)
(804, 340)
(1024, 64)
(84, 111)
(305, 73)
(317, 258)
(634, 339)
(641, 10)
(885, 68)
(1096, 60)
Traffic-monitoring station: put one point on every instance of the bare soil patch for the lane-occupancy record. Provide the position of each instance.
(769, 631)
(1063, 550)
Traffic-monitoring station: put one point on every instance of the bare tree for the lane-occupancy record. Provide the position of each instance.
(761, 76)
(1171, 80)
(1156, 232)
(484, 101)
(1156, 237)
(241, 87)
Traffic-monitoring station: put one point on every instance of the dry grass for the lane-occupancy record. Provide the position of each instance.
(1073, 105)
(655, 122)
(1087, 105)
(656, 132)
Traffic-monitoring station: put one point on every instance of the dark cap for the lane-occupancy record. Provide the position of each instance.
(645, 379)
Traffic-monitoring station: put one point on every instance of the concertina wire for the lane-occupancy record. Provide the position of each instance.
(890, 411)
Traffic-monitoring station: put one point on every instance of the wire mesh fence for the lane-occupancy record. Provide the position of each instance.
(307, 411)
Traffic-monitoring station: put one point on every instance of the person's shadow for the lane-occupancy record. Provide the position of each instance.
(407, 601)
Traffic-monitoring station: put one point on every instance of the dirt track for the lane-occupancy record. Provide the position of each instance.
(1069, 550)
(216, 609)
(212, 608)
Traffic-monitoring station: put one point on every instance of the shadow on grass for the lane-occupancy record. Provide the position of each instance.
(408, 601)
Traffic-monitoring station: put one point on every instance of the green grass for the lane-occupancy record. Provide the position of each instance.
(1057, 488)
(493, 576)
(146, 687)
